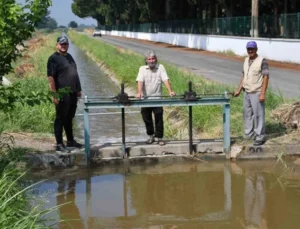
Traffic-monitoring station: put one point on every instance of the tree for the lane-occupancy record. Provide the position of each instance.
(73, 24)
(17, 23)
(47, 22)
(111, 12)
(83, 9)
(52, 24)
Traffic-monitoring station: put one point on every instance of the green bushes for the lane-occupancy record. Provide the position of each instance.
(29, 107)
(34, 115)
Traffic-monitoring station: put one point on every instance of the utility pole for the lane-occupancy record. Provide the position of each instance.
(254, 21)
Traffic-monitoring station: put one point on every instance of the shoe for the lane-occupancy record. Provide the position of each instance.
(61, 148)
(74, 144)
(150, 140)
(161, 142)
(259, 142)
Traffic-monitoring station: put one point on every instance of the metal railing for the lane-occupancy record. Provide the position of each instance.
(190, 99)
(281, 26)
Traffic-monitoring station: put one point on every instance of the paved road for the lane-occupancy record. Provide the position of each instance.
(211, 67)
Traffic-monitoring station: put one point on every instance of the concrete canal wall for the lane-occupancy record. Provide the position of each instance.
(271, 48)
(141, 153)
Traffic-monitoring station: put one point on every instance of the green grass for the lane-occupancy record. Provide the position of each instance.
(19, 208)
(207, 120)
(16, 202)
(228, 52)
(37, 118)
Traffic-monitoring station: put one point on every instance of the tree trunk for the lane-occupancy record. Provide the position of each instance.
(254, 22)
(286, 29)
(275, 25)
(228, 8)
(192, 11)
(285, 7)
(168, 10)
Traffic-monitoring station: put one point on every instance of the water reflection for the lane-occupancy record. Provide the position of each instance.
(66, 199)
(254, 201)
(178, 196)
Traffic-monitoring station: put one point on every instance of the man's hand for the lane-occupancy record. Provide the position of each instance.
(172, 93)
(55, 101)
(262, 97)
(139, 95)
(237, 93)
(79, 94)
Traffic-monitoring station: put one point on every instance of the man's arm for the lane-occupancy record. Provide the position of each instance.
(262, 96)
(140, 85)
(166, 81)
(50, 74)
(265, 72)
(240, 88)
(78, 87)
(52, 88)
(168, 86)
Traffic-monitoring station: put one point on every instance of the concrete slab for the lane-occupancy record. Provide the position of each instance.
(141, 153)
(171, 148)
(140, 149)
(209, 146)
(269, 151)
(109, 152)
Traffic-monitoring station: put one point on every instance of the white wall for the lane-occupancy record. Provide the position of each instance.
(285, 50)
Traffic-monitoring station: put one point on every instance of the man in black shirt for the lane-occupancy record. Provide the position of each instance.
(62, 73)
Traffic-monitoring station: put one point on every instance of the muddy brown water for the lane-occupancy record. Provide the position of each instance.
(177, 195)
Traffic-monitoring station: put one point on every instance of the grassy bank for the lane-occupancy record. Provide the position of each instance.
(18, 208)
(30, 73)
(207, 120)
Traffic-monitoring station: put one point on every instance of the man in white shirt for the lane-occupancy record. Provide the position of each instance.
(149, 82)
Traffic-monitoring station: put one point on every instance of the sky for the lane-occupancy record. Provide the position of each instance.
(61, 11)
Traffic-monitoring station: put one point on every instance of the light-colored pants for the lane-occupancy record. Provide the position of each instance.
(255, 199)
(254, 116)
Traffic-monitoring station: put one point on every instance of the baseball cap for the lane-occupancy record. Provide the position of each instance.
(251, 44)
(62, 40)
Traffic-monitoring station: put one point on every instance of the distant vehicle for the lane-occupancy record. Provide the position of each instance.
(97, 33)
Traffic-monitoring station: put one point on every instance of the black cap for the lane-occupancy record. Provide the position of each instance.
(62, 40)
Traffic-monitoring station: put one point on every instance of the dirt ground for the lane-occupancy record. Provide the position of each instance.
(36, 142)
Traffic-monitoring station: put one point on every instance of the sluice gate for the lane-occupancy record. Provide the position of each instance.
(189, 98)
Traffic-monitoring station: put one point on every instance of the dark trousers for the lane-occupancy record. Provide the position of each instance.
(159, 122)
(65, 112)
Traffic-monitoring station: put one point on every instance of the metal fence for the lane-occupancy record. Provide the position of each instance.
(284, 25)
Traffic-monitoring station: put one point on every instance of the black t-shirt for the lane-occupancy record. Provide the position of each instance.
(64, 71)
